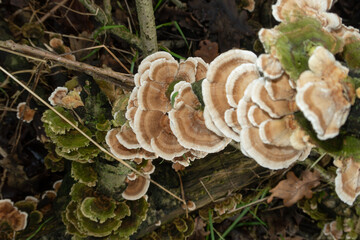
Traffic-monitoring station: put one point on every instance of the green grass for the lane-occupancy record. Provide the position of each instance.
(177, 26)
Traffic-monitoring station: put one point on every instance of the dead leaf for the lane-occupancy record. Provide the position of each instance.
(293, 189)
(199, 232)
(208, 50)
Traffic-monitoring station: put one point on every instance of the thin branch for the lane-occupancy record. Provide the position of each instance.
(124, 80)
(146, 18)
(101, 16)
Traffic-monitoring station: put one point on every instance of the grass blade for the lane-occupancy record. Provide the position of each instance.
(233, 225)
(211, 225)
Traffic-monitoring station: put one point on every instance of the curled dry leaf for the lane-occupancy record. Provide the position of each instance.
(293, 189)
(199, 232)
(208, 50)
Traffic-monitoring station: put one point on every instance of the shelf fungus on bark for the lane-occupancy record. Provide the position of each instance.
(24, 113)
(188, 124)
(214, 87)
(137, 188)
(321, 95)
(288, 10)
(347, 181)
(10, 215)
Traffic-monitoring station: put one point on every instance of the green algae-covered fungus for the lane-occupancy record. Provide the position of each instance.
(55, 123)
(92, 215)
(84, 173)
(294, 40)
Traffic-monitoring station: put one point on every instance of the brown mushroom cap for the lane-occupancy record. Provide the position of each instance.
(275, 109)
(15, 218)
(323, 63)
(277, 131)
(151, 96)
(214, 89)
(256, 115)
(238, 81)
(187, 70)
(136, 189)
(267, 155)
(57, 95)
(147, 126)
(163, 71)
(127, 137)
(242, 113)
(270, 66)
(280, 88)
(232, 121)
(122, 152)
(24, 112)
(132, 107)
(149, 168)
(146, 62)
(347, 185)
(201, 69)
(210, 124)
(324, 106)
(189, 127)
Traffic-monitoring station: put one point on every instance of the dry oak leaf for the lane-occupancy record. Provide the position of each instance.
(208, 50)
(293, 189)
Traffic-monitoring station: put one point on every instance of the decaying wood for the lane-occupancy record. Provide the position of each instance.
(207, 180)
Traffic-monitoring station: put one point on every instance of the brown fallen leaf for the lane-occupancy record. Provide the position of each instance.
(293, 189)
(208, 50)
(199, 231)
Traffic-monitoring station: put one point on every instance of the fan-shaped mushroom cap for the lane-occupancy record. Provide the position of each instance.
(267, 155)
(151, 96)
(214, 90)
(270, 66)
(122, 152)
(324, 106)
(57, 95)
(131, 176)
(347, 181)
(256, 115)
(277, 131)
(24, 112)
(289, 9)
(323, 63)
(275, 109)
(242, 113)
(127, 137)
(9, 213)
(166, 145)
(147, 126)
(189, 127)
(187, 70)
(137, 188)
(268, 38)
(280, 88)
(149, 168)
(201, 69)
(238, 81)
(163, 71)
(146, 62)
(210, 124)
(232, 121)
(132, 107)
(300, 140)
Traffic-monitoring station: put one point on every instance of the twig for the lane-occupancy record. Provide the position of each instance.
(179, 4)
(48, 14)
(104, 20)
(323, 173)
(146, 18)
(183, 194)
(89, 138)
(124, 80)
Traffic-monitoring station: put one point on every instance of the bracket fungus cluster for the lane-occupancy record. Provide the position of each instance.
(11, 216)
(182, 111)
